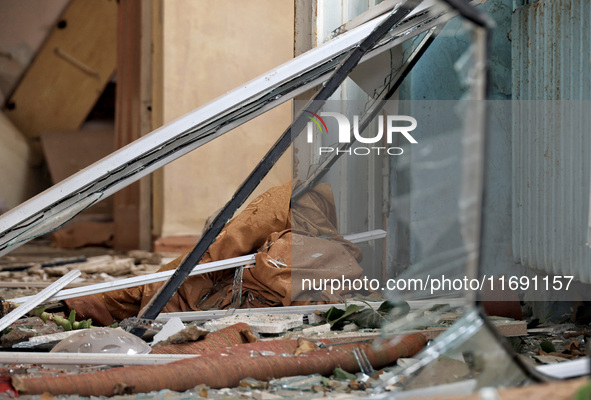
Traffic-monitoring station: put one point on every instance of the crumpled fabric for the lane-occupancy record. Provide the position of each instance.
(264, 227)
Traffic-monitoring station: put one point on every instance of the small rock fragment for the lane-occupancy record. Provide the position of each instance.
(253, 383)
(17, 335)
(249, 336)
(189, 334)
(304, 346)
(316, 330)
(122, 389)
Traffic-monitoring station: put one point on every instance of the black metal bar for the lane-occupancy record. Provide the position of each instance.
(471, 13)
(265, 165)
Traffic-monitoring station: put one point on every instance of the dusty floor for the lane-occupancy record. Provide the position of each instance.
(30, 268)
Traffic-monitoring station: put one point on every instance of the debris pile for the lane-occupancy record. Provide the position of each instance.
(243, 331)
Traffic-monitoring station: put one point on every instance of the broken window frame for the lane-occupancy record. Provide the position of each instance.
(165, 293)
(62, 202)
(218, 117)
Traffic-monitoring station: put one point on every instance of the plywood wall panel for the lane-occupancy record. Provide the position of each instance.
(70, 71)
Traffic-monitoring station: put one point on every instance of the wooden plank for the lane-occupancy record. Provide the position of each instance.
(157, 110)
(132, 210)
(70, 71)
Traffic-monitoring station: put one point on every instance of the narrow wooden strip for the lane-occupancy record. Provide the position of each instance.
(164, 275)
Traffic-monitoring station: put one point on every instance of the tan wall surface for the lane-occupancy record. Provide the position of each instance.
(19, 181)
(209, 48)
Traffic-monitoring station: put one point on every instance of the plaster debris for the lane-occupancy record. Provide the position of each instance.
(174, 325)
(189, 334)
(316, 330)
(260, 323)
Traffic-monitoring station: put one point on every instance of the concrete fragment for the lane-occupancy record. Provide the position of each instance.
(174, 325)
(17, 335)
(189, 334)
(260, 323)
(258, 395)
(105, 264)
(350, 328)
(314, 319)
(316, 330)
(56, 271)
(145, 257)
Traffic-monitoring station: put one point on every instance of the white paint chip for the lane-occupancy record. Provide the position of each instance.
(174, 325)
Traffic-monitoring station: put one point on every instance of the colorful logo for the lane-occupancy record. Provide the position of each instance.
(317, 119)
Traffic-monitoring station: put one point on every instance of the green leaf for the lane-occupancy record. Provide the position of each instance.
(547, 346)
(72, 317)
(386, 312)
(584, 393)
(342, 375)
(337, 317)
(38, 311)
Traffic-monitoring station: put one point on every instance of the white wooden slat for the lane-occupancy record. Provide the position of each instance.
(164, 275)
(39, 298)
